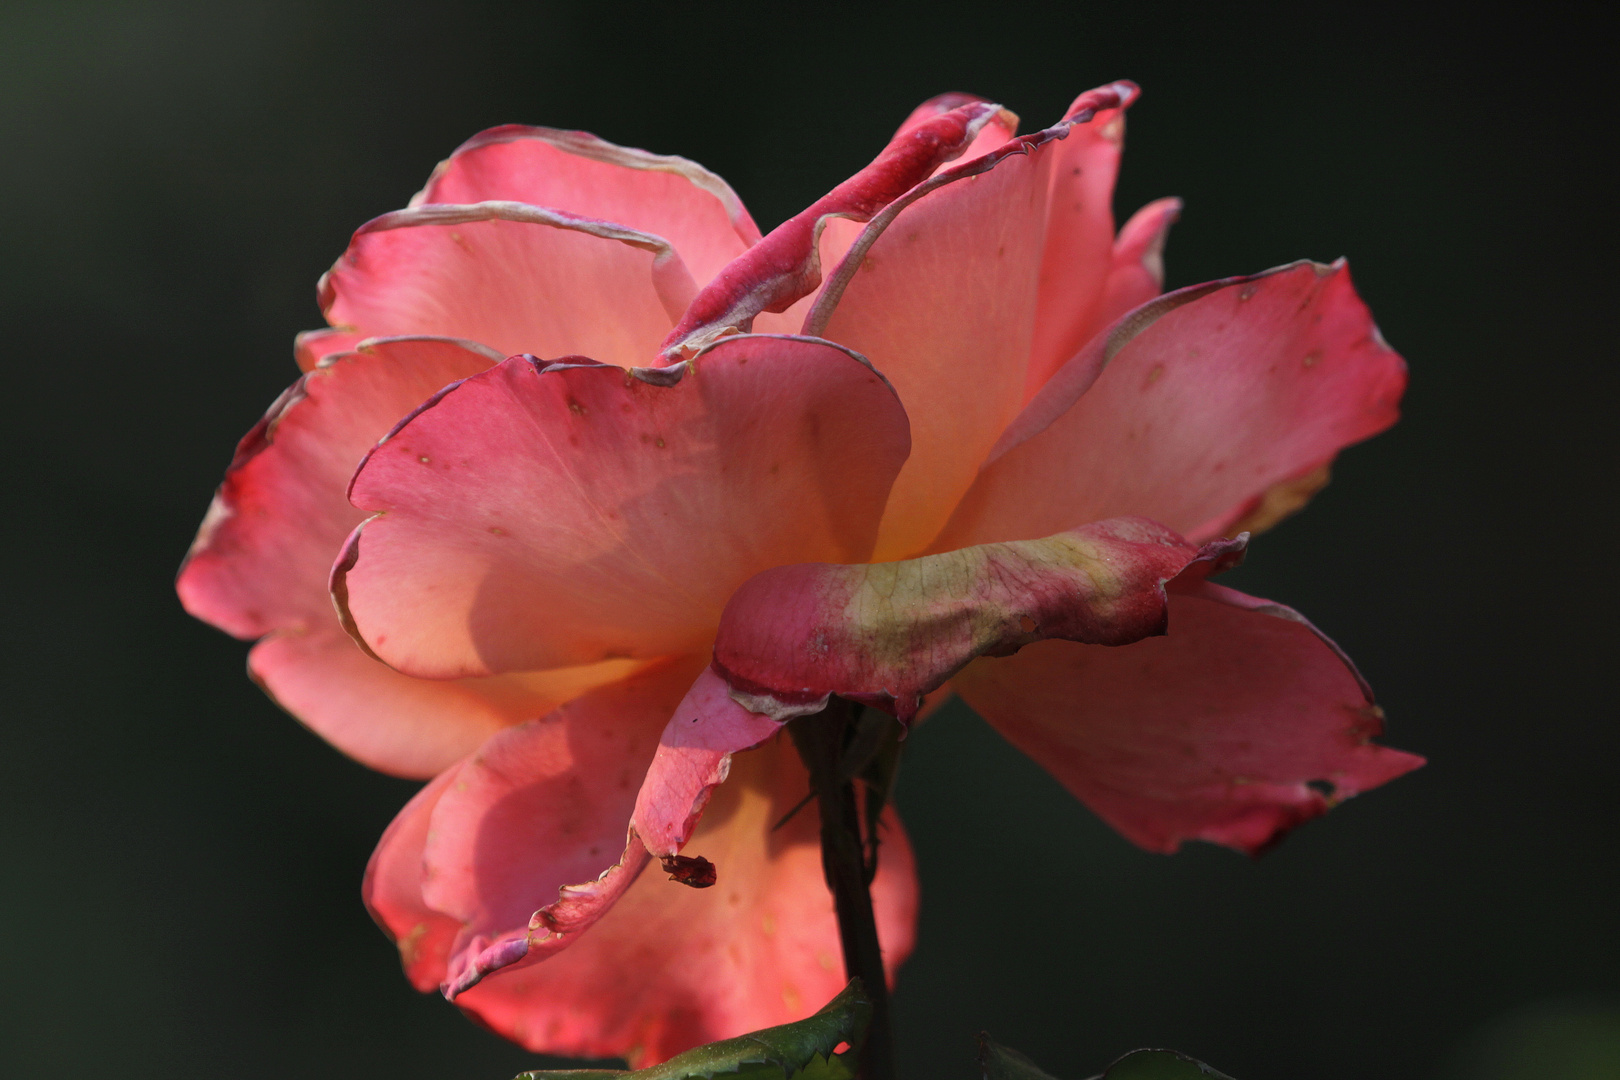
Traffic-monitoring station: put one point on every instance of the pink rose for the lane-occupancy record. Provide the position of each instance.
(978, 452)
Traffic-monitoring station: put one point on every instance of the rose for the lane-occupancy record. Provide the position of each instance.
(578, 573)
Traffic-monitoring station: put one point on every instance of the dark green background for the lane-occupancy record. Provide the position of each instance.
(179, 861)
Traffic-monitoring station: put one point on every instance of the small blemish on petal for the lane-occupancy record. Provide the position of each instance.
(424, 459)
(1248, 293)
(496, 530)
(1154, 374)
(1313, 357)
(658, 443)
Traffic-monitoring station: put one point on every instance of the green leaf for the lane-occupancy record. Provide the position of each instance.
(803, 1050)
(1000, 1063)
(1160, 1065)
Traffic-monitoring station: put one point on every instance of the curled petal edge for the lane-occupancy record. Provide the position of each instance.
(786, 265)
(671, 279)
(551, 928)
(584, 144)
(1113, 96)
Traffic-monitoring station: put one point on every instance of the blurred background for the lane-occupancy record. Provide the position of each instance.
(179, 861)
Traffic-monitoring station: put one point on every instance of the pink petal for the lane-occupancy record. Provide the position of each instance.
(525, 846)
(1078, 256)
(786, 266)
(393, 890)
(312, 346)
(672, 967)
(518, 278)
(578, 173)
(1240, 723)
(1211, 395)
(889, 633)
(694, 757)
(941, 288)
(397, 724)
(260, 564)
(538, 515)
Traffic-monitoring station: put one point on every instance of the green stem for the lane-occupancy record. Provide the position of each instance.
(821, 740)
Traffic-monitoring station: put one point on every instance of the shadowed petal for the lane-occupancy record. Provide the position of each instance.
(518, 278)
(539, 516)
(578, 173)
(888, 633)
(525, 846)
(940, 289)
(671, 967)
(1238, 724)
(1190, 408)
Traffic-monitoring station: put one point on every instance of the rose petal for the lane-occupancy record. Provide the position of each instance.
(310, 347)
(539, 516)
(578, 173)
(672, 967)
(260, 564)
(1240, 723)
(889, 633)
(1211, 395)
(942, 287)
(540, 808)
(693, 758)
(785, 266)
(518, 278)
(1078, 255)
(393, 890)
(397, 724)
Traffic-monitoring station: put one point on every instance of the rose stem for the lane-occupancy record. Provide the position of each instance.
(821, 739)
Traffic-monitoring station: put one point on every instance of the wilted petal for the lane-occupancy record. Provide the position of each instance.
(1078, 255)
(786, 265)
(671, 967)
(578, 173)
(1238, 724)
(528, 845)
(888, 633)
(1190, 408)
(940, 290)
(260, 564)
(539, 515)
(517, 278)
